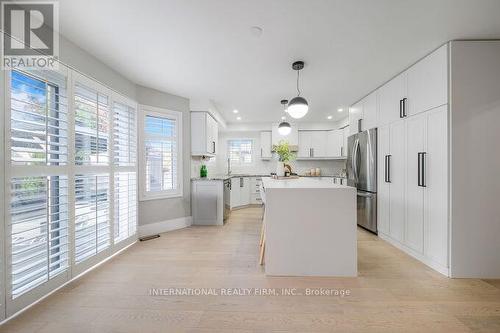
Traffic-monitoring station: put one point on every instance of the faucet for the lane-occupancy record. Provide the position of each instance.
(228, 166)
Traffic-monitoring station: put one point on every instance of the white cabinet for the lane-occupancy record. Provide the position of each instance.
(364, 114)
(413, 185)
(204, 134)
(207, 202)
(319, 144)
(370, 111)
(304, 144)
(355, 114)
(428, 82)
(335, 142)
(391, 96)
(383, 181)
(415, 148)
(292, 138)
(436, 187)
(255, 184)
(397, 176)
(345, 135)
(240, 192)
(265, 145)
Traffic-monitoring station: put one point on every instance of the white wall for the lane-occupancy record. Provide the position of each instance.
(475, 159)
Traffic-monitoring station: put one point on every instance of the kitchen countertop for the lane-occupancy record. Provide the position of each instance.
(224, 177)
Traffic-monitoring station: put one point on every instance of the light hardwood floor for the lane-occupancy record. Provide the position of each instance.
(393, 293)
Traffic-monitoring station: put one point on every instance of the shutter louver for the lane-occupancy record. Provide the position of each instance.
(39, 123)
(39, 230)
(125, 205)
(92, 234)
(91, 127)
(124, 133)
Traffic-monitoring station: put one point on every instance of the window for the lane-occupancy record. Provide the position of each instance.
(162, 162)
(39, 123)
(39, 230)
(38, 212)
(239, 151)
(72, 174)
(124, 135)
(91, 215)
(125, 182)
(91, 126)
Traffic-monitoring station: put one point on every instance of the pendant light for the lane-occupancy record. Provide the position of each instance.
(284, 127)
(298, 107)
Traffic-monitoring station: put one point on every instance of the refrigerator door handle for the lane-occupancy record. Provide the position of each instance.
(355, 160)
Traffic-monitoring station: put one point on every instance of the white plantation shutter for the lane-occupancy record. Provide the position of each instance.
(39, 230)
(124, 133)
(161, 161)
(239, 151)
(125, 205)
(39, 121)
(91, 126)
(92, 224)
(63, 156)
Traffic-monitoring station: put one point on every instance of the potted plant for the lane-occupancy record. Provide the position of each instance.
(285, 155)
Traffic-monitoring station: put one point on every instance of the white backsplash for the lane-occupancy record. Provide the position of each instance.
(218, 165)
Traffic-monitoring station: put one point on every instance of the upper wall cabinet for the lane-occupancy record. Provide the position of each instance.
(370, 111)
(428, 82)
(204, 134)
(355, 115)
(364, 114)
(265, 145)
(292, 138)
(391, 98)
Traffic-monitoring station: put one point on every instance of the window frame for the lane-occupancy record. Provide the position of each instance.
(252, 153)
(146, 110)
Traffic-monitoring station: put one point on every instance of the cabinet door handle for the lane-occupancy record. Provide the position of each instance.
(341, 151)
(312, 152)
(400, 108)
(359, 125)
(213, 145)
(241, 182)
(421, 169)
(260, 152)
(404, 106)
(388, 168)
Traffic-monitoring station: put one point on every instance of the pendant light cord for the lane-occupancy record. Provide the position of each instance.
(298, 90)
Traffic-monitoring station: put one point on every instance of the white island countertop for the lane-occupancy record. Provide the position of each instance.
(302, 182)
(310, 227)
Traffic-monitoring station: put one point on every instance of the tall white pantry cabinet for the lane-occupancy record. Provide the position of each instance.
(438, 159)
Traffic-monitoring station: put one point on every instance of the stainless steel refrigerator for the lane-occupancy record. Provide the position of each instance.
(362, 174)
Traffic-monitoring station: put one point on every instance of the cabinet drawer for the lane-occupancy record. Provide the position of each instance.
(255, 199)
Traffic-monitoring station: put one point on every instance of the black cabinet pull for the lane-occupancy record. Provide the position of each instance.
(400, 108)
(388, 168)
(213, 145)
(421, 181)
(404, 107)
(359, 125)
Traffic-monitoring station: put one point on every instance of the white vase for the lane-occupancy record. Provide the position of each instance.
(280, 169)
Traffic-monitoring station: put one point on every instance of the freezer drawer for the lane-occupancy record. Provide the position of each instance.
(367, 210)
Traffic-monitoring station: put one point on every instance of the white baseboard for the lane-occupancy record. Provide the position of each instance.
(164, 226)
(420, 257)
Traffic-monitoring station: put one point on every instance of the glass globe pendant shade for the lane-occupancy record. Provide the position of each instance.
(284, 128)
(298, 107)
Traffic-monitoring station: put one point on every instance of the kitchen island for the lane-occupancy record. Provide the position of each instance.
(310, 228)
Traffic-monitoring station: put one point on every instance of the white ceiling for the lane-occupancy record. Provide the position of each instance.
(204, 48)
